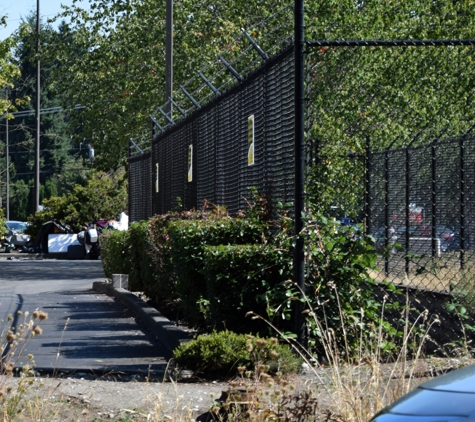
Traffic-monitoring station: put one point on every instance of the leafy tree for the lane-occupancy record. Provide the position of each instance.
(112, 60)
(103, 196)
(20, 199)
(380, 95)
(8, 72)
(57, 153)
(3, 220)
(8, 69)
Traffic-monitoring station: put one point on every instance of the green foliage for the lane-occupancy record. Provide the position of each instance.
(240, 279)
(103, 196)
(188, 241)
(381, 96)
(111, 58)
(115, 249)
(339, 295)
(20, 199)
(57, 154)
(340, 290)
(177, 267)
(213, 269)
(3, 220)
(225, 354)
(8, 69)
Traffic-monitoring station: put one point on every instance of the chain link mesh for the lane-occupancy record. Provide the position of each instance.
(390, 147)
(215, 144)
(140, 187)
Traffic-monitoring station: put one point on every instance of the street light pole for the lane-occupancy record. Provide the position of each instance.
(36, 202)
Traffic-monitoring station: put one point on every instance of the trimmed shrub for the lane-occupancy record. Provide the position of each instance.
(114, 245)
(3, 221)
(239, 279)
(189, 239)
(128, 253)
(226, 354)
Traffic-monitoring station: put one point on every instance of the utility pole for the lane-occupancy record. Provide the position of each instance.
(169, 58)
(36, 202)
(7, 162)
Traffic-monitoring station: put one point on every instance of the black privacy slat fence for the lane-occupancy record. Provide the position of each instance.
(240, 140)
(140, 187)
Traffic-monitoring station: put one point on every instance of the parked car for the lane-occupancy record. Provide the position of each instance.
(16, 238)
(396, 235)
(16, 226)
(450, 240)
(448, 398)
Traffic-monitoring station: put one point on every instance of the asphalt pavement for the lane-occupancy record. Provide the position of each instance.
(98, 330)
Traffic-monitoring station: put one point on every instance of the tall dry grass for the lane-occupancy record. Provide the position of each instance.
(342, 389)
(353, 384)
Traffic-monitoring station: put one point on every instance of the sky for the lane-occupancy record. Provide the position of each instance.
(18, 9)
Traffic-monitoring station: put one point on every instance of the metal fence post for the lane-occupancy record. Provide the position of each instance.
(407, 211)
(367, 193)
(386, 209)
(433, 199)
(299, 41)
(462, 201)
(407, 204)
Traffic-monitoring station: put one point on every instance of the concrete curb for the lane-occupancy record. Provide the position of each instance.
(166, 332)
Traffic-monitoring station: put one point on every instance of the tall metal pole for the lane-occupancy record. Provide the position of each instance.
(299, 98)
(169, 58)
(7, 162)
(36, 202)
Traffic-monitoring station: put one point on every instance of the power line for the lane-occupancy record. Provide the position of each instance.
(49, 110)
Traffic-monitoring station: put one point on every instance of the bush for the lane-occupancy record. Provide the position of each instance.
(3, 221)
(226, 354)
(340, 291)
(114, 248)
(210, 270)
(129, 253)
(239, 279)
(188, 240)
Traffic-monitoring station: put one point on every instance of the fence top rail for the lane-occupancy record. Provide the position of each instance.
(437, 143)
(389, 43)
(144, 156)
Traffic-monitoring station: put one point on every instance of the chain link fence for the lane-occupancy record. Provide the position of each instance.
(388, 148)
(243, 139)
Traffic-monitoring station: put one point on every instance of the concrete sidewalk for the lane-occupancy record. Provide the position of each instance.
(101, 331)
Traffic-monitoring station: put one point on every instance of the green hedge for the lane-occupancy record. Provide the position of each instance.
(181, 261)
(211, 270)
(114, 245)
(239, 279)
(129, 253)
(189, 240)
